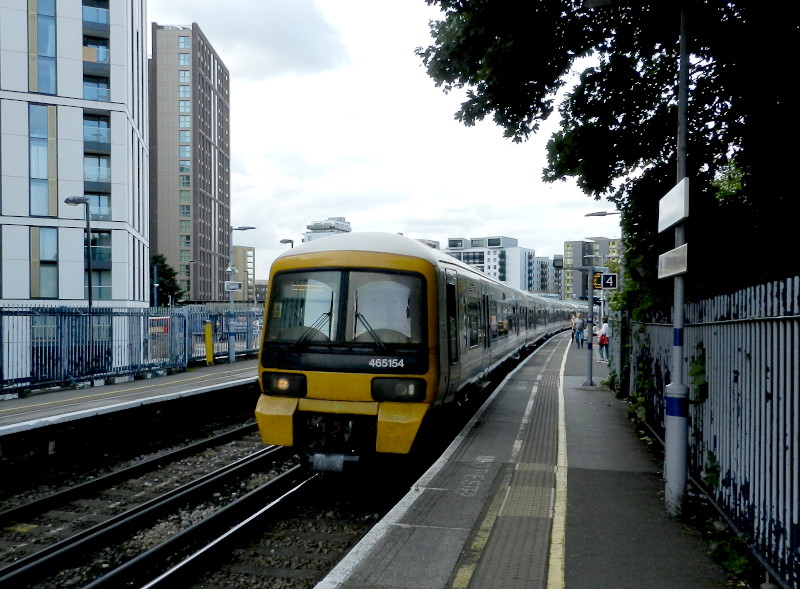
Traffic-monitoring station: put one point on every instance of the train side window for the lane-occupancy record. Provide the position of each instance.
(473, 323)
(452, 329)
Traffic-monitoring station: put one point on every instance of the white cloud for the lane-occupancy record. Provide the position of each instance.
(332, 114)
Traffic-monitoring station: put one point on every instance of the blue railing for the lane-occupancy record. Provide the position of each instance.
(43, 347)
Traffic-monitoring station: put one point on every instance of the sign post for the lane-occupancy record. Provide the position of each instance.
(672, 211)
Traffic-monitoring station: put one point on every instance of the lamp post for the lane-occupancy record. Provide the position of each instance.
(84, 200)
(191, 278)
(285, 241)
(232, 269)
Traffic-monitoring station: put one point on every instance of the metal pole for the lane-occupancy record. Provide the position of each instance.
(231, 334)
(588, 332)
(155, 285)
(89, 282)
(676, 393)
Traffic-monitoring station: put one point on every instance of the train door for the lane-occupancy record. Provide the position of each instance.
(451, 313)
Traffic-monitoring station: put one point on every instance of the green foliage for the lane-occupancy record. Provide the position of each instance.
(617, 138)
(728, 182)
(637, 407)
(168, 290)
(711, 474)
(697, 375)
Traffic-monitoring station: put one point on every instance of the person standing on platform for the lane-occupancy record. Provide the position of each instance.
(602, 341)
(579, 326)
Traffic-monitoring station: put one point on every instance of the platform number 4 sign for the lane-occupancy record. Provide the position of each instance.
(609, 281)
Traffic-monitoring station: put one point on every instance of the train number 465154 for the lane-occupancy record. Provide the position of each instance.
(386, 362)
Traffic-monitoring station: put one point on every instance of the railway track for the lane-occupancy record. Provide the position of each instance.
(43, 541)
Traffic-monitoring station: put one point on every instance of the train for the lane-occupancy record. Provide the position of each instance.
(366, 333)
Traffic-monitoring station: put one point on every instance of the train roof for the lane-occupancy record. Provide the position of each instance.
(369, 241)
(393, 243)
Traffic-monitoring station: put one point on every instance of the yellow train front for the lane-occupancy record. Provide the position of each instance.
(361, 338)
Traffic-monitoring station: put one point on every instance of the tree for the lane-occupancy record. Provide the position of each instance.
(619, 122)
(167, 289)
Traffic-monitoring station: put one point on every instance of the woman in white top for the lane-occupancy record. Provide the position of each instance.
(602, 341)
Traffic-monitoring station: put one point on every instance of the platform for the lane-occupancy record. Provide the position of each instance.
(547, 486)
(55, 407)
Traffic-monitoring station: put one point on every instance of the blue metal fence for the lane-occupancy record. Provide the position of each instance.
(743, 370)
(44, 347)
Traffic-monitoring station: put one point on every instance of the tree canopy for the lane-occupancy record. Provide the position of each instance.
(619, 122)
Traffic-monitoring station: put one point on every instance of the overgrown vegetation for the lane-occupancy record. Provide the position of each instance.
(617, 138)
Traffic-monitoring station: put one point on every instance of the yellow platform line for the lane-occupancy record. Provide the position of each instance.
(558, 533)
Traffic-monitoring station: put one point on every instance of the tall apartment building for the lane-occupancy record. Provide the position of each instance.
(190, 213)
(73, 107)
(503, 259)
(586, 254)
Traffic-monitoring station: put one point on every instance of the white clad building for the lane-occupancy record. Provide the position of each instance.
(502, 258)
(73, 111)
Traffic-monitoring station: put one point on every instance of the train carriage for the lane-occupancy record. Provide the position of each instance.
(366, 332)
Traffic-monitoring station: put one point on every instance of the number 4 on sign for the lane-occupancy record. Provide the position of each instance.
(609, 281)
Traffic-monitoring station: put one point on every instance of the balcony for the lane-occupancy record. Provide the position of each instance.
(97, 55)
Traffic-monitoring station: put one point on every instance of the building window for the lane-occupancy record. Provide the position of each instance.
(101, 285)
(100, 206)
(44, 263)
(185, 121)
(101, 246)
(183, 42)
(184, 106)
(183, 59)
(42, 68)
(97, 129)
(95, 11)
(95, 50)
(185, 136)
(186, 241)
(184, 92)
(186, 210)
(42, 157)
(96, 168)
(185, 181)
(184, 76)
(185, 166)
(185, 195)
(185, 226)
(184, 151)
(96, 88)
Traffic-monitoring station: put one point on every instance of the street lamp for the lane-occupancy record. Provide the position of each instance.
(285, 241)
(84, 200)
(232, 269)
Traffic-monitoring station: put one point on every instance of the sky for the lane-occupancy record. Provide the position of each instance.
(333, 115)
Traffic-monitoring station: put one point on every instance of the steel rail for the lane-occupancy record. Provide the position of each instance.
(217, 531)
(43, 504)
(48, 560)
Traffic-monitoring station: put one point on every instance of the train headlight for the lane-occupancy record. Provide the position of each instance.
(284, 384)
(398, 389)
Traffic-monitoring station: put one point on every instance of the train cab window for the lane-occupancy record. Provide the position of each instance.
(304, 306)
(384, 308)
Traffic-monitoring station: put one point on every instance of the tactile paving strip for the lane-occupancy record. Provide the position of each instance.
(516, 554)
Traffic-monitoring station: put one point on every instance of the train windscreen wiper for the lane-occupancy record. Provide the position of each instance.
(367, 326)
(316, 326)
